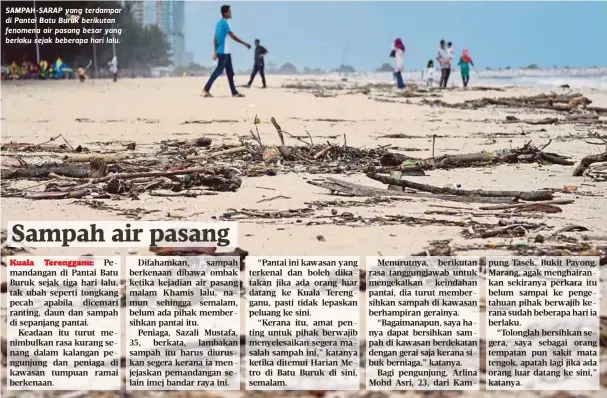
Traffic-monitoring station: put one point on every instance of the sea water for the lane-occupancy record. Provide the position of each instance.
(595, 77)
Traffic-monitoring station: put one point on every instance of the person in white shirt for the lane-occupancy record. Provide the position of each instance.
(398, 52)
(114, 67)
(429, 76)
(444, 63)
(450, 51)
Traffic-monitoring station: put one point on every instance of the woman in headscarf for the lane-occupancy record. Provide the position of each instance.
(398, 53)
(464, 66)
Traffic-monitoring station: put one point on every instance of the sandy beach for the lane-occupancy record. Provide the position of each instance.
(359, 113)
(104, 117)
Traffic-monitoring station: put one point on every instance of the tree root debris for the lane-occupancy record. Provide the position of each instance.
(528, 153)
(553, 101)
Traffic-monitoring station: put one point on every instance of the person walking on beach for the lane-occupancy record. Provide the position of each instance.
(221, 53)
(81, 73)
(445, 64)
(464, 66)
(258, 64)
(114, 67)
(398, 53)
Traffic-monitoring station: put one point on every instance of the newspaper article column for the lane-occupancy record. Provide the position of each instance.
(543, 323)
(302, 323)
(63, 325)
(183, 323)
(422, 323)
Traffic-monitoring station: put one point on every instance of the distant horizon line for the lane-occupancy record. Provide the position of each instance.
(530, 67)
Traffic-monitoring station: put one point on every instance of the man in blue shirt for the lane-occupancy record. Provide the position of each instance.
(221, 53)
(258, 63)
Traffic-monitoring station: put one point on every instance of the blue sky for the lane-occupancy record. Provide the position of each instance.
(314, 34)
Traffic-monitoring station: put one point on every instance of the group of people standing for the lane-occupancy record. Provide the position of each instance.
(445, 62)
(55, 70)
(112, 66)
(221, 54)
(42, 70)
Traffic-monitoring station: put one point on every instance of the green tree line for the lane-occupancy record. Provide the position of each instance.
(139, 46)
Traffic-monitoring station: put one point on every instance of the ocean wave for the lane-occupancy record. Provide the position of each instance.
(549, 78)
(599, 82)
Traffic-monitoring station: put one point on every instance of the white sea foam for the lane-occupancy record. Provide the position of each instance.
(549, 78)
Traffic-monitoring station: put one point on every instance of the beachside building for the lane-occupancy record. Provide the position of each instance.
(169, 16)
(137, 10)
(172, 17)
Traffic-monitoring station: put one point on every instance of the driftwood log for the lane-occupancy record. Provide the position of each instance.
(107, 157)
(76, 194)
(587, 161)
(351, 189)
(546, 120)
(598, 110)
(523, 195)
(523, 205)
(528, 153)
(42, 171)
(219, 153)
(585, 118)
(224, 180)
(553, 101)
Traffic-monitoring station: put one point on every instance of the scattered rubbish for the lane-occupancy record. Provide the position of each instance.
(529, 196)
(587, 161)
(555, 102)
(528, 153)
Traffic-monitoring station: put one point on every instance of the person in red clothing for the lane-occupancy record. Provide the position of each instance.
(464, 66)
(398, 53)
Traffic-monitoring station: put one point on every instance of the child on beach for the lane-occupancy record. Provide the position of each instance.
(398, 53)
(464, 66)
(430, 74)
(81, 73)
(113, 64)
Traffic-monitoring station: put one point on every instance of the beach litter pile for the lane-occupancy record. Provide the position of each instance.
(192, 168)
(553, 101)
